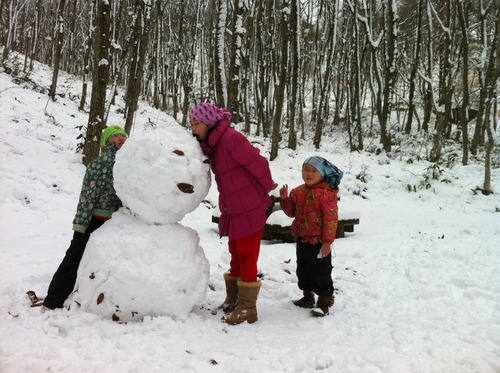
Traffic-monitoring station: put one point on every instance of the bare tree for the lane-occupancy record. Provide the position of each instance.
(264, 64)
(86, 59)
(15, 7)
(383, 61)
(157, 70)
(354, 124)
(325, 73)
(464, 108)
(100, 79)
(446, 87)
(295, 71)
(414, 68)
(246, 72)
(390, 73)
(31, 47)
(482, 66)
(220, 66)
(139, 52)
(339, 55)
(279, 95)
(234, 81)
(492, 78)
(59, 39)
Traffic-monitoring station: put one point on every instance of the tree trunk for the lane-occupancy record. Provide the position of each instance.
(59, 38)
(100, 78)
(35, 32)
(492, 78)
(235, 56)
(390, 74)
(139, 55)
(220, 65)
(295, 53)
(464, 108)
(85, 75)
(280, 89)
(413, 74)
(9, 29)
(325, 74)
(443, 111)
(478, 137)
(355, 125)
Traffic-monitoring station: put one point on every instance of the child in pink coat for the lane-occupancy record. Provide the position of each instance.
(244, 181)
(314, 207)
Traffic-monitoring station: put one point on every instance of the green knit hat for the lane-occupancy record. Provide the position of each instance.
(110, 131)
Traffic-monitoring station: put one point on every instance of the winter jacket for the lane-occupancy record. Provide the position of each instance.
(98, 196)
(243, 179)
(315, 211)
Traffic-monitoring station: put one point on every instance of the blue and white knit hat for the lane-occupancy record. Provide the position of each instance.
(329, 172)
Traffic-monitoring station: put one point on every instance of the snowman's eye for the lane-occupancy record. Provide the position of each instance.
(178, 152)
(185, 188)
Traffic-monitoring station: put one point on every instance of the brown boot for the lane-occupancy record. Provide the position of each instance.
(307, 301)
(323, 305)
(231, 293)
(247, 299)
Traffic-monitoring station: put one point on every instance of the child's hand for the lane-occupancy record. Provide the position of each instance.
(326, 249)
(284, 192)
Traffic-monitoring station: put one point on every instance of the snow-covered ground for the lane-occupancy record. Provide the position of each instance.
(418, 280)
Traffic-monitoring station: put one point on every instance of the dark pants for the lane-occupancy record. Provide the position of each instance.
(314, 274)
(64, 279)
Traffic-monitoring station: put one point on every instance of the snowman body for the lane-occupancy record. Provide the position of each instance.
(143, 262)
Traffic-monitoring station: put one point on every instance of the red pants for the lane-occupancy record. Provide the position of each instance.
(244, 255)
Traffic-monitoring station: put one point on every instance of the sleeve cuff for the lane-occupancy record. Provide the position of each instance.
(79, 228)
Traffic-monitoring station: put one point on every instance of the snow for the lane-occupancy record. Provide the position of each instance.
(132, 269)
(418, 282)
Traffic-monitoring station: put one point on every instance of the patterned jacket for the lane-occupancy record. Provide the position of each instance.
(98, 196)
(315, 210)
(243, 179)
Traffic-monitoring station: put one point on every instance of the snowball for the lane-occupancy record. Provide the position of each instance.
(131, 269)
(161, 175)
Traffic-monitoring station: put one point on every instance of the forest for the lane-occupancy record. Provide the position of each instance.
(288, 69)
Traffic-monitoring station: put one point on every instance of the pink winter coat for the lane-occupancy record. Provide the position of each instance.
(243, 179)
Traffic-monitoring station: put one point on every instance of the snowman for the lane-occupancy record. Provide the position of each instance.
(143, 262)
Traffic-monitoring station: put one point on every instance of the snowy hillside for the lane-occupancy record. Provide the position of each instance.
(418, 281)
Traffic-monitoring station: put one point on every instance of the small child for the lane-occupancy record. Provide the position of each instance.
(314, 207)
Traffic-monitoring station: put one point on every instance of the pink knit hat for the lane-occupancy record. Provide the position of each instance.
(209, 114)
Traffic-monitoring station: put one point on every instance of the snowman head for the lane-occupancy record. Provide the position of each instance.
(161, 175)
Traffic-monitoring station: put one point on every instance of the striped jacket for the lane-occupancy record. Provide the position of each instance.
(98, 196)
